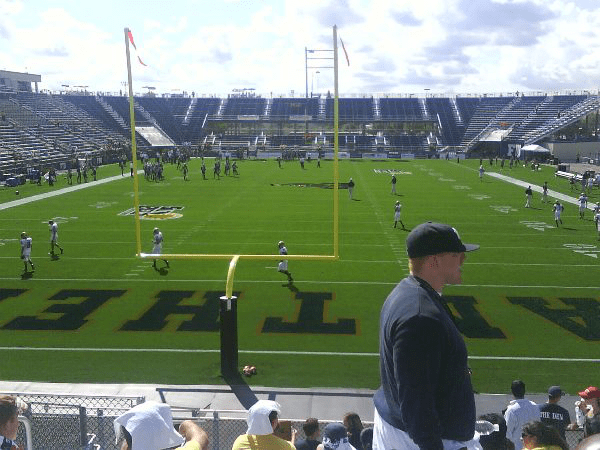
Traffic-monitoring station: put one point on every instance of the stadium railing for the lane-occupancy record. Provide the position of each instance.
(70, 422)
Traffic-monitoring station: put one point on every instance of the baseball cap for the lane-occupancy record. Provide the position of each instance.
(590, 392)
(335, 437)
(555, 391)
(431, 238)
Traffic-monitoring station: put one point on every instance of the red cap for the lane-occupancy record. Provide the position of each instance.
(591, 392)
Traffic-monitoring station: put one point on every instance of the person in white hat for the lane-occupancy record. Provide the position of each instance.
(149, 426)
(263, 419)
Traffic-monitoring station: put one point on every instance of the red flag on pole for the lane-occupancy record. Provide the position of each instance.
(345, 52)
(134, 46)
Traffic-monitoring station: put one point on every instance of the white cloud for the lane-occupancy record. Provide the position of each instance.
(399, 45)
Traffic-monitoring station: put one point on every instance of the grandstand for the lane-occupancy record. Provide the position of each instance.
(49, 130)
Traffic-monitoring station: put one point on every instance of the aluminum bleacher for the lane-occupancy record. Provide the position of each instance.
(289, 108)
(351, 109)
(400, 109)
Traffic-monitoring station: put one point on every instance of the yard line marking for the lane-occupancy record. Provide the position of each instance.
(275, 352)
(318, 282)
(395, 245)
(400, 261)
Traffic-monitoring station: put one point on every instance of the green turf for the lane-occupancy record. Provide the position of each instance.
(530, 292)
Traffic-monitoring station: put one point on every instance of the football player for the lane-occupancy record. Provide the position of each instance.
(157, 240)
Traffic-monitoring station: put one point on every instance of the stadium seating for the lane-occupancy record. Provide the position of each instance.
(44, 124)
(351, 109)
(401, 109)
(244, 106)
(287, 108)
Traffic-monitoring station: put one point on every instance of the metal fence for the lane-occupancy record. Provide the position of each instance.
(69, 422)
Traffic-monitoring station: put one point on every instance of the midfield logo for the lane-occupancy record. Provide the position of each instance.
(155, 212)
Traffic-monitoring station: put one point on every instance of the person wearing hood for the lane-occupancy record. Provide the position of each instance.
(263, 418)
(149, 426)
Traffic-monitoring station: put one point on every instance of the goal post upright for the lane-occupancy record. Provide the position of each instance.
(335, 147)
(228, 304)
(136, 199)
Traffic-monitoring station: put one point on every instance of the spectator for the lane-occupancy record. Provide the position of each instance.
(541, 436)
(366, 438)
(553, 414)
(10, 408)
(335, 437)
(426, 398)
(262, 420)
(311, 431)
(496, 440)
(591, 400)
(149, 426)
(519, 412)
(353, 426)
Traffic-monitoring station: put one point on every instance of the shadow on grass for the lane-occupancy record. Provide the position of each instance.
(290, 285)
(26, 275)
(240, 389)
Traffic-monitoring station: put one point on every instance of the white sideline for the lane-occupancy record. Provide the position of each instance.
(75, 187)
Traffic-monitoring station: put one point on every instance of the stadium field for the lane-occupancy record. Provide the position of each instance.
(529, 305)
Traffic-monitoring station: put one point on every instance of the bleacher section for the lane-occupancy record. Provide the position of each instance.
(485, 113)
(55, 127)
(351, 109)
(242, 107)
(401, 109)
(546, 112)
(294, 108)
(169, 114)
(193, 123)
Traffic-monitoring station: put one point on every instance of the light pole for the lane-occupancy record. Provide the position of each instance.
(321, 55)
(312, 78)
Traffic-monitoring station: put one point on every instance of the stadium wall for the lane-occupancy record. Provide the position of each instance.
(568, 151)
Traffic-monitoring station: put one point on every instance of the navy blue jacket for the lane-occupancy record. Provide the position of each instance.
(425, 382)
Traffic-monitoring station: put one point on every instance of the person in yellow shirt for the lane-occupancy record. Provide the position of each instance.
(263, 419)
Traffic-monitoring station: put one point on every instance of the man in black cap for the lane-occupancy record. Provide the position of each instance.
(552, 413)
(426, 399)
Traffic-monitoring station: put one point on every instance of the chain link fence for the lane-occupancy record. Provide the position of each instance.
(70, 422)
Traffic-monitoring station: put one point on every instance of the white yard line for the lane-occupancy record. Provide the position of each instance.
(273, 352)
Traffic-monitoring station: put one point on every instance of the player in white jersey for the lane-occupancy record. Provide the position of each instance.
(54, 237)
(26, 243)
(582, 199)
(597, 220)
(557, 208)
(397, 212)
(481, 172)
(283, 264)
(157, 240)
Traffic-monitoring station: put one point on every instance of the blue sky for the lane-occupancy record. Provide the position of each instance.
(395, 46)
